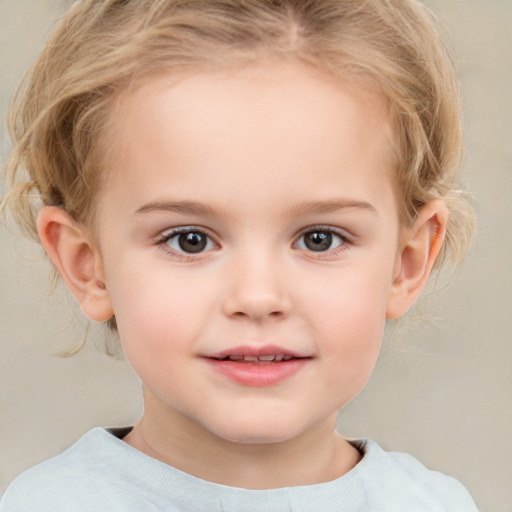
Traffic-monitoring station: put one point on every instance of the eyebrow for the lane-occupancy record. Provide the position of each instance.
(318, 207)
(183, 207)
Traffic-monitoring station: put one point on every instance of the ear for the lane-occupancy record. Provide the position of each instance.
(77, 260)
(419, 248)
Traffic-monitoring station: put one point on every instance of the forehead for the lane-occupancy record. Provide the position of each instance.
(283, 121)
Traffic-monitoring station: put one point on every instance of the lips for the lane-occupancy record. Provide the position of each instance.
(257, 366)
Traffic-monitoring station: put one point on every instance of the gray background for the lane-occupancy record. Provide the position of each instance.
(442, 390)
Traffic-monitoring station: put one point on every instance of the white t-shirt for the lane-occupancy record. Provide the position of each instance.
(101, 473)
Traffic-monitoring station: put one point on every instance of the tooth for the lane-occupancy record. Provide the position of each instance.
(250, 358)
(267, 358)
(279, 357)
(287, 358)
(236, 358)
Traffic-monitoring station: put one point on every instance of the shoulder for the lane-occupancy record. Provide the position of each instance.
(72, 480)
(406, 484)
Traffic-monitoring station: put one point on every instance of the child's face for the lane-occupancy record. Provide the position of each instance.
(250, 213)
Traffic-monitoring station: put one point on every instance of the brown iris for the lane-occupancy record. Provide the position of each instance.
(192, 242)
(318, 240)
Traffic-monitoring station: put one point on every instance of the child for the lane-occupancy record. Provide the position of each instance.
(245, 191)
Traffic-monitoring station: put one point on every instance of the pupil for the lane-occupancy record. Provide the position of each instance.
(318, 241)
(192, 242)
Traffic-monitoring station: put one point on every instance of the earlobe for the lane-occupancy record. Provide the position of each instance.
(76, 259)
(417, 254)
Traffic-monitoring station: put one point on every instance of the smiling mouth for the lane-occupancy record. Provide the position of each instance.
(262, 366)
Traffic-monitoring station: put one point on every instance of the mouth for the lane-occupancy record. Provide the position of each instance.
(259, 367)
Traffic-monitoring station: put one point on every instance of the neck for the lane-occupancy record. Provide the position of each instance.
(318, 455)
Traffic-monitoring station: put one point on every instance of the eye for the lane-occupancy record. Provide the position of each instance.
(188, 240)
(320, 240)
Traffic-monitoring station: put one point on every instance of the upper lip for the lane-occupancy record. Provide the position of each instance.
(257, 351)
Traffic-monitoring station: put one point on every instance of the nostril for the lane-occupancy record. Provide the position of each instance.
(258, 315)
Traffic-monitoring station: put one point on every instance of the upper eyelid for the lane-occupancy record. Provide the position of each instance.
(170, 232)
(343, 233)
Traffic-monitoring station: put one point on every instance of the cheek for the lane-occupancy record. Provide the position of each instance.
(350, 303)
(158, 316)
(349, 322)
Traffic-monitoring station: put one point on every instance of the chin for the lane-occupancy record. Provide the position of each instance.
(258, 432)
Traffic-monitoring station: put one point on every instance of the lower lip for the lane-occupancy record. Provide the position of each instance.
(257, 375)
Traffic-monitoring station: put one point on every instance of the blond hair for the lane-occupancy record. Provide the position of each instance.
(101, 46)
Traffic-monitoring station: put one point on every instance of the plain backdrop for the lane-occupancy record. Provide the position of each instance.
(443, 388)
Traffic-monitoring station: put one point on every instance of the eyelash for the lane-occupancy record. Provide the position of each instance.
(345, 241)
(163, 242)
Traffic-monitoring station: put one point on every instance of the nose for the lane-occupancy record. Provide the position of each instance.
(256, 289)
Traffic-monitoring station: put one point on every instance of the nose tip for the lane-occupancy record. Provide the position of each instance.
(256, 294)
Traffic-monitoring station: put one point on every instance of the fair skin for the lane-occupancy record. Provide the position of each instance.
(248, 214)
